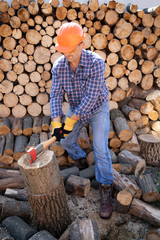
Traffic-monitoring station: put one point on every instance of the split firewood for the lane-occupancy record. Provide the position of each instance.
(66, 173)
(83, 139)
(16, 208)
(17, 126)
(84, 229)
(5, 126)
(11, 182)
(150, 149)
(123, 168)
(57, 149)
(33, 141)
(122, 182)
(37, 125)
(9, 144)
(20, 146)
(2, 144)
(132, 145)
(27, 126)
(18, 194)
(137, 162)
(146, 212)
(78, 185)
(149, 190)
(6, 173)
(123, 201)
(88, 172)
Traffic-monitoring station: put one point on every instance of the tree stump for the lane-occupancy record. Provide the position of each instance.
(46, 193)
(150, 149)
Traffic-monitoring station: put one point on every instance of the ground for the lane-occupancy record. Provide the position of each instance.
(119, 226)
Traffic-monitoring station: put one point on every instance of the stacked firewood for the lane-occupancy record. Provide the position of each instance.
(128, 41)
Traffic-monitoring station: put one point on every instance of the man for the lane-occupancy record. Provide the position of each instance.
(80, 73)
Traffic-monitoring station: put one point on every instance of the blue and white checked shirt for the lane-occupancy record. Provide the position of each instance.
(86, 89)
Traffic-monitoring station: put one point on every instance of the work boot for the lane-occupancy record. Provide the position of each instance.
(106, 201)
(81, 163)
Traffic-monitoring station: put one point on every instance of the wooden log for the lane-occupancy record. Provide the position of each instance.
(84, 229)
(83, 139)
(42, 235)
(5, 126)
(149, 149)
(17, 126)
(27, 126)
(99, 41)
(131, 113)
(149, 190)
(19, 111)
(6, 160)
(4, 111)
(19, 147)
(138, 163)
(18, 228)
(37, 122)
(123, 168)
(122, 129)
(40, 193)
(66, 173)
(57, 149)
(146, 212)
(11, 182)
(123, 29)
(45, 123)
(6, 173)
(2, 144)
(123, 201)
(33, 141)
(77, 185)
(121, 182)
(16, 208)
(9, 144)
(132, 145)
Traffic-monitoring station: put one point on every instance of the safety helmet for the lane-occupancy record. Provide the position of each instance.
(69, 37)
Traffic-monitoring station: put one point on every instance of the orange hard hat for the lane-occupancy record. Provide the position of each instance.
(69, 37)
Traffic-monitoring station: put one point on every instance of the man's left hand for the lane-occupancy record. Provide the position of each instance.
(68, 126)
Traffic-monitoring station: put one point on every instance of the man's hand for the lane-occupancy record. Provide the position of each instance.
(57, 130)
(68, 126)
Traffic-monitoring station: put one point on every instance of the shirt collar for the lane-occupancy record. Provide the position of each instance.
(82, 62)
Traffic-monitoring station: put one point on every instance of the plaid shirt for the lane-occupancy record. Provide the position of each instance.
(86, 89)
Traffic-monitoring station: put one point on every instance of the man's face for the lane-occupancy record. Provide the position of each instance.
(75, 54)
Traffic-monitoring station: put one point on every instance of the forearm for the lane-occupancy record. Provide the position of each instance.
(56, 119)
(74, 117)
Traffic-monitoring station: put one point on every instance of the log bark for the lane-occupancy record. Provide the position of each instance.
(9, 144)
(27, 126)
(123, 183)
(11, 182)
(138, 163)
(16, 208)
(84, 229)
(77, 185)
(146, 212)
(19, 147)
(150, 149)
(51, 192)
(123, 202)
(5, 126)
(149, 190)
(17, 126)
(2, 144)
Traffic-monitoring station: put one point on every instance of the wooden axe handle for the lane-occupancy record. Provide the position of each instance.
(48, 142)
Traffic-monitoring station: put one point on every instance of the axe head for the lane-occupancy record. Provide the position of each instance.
(32, 153)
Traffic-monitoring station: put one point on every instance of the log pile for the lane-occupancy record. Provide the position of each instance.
(128, 41)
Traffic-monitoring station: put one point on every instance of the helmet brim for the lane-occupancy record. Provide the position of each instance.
(68, 49)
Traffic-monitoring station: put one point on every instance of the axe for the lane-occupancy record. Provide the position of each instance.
(32, 153)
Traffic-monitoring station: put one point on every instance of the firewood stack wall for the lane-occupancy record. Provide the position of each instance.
(128, 40)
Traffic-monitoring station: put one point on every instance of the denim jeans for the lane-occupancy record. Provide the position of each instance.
(100, 123)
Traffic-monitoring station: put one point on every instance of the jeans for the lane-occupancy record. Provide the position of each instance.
(100, 123)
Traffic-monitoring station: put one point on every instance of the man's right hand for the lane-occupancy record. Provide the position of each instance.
(57, 130)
